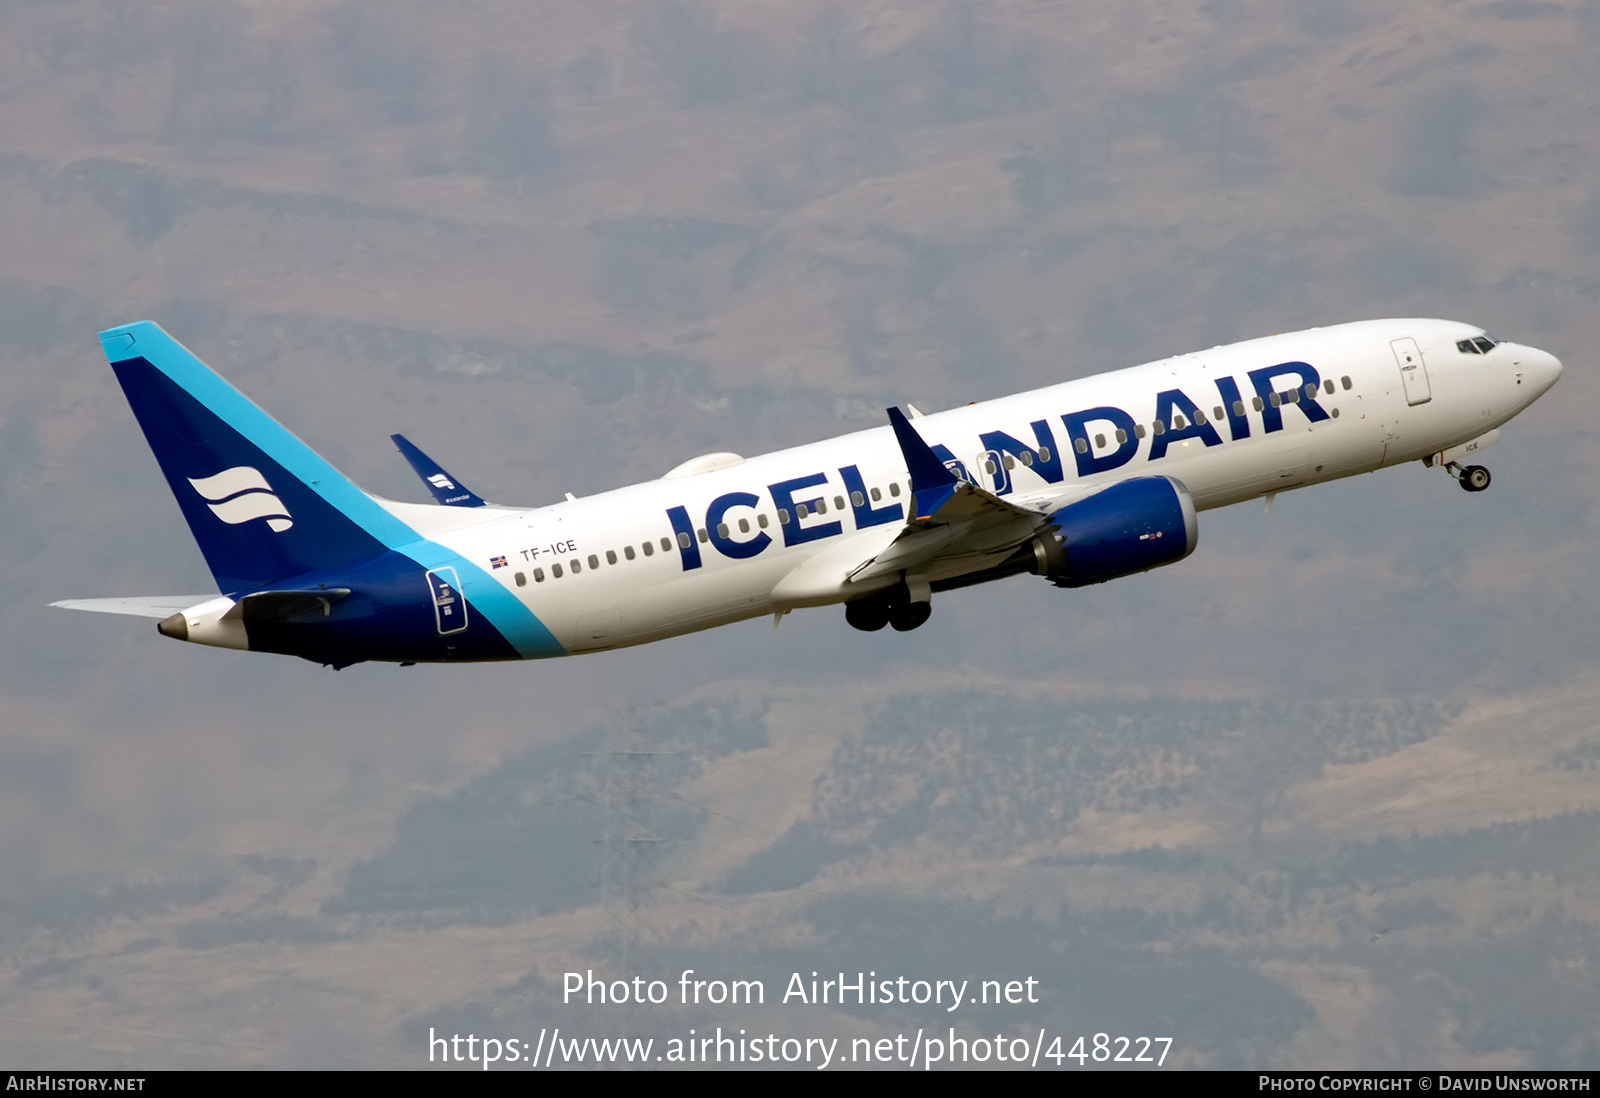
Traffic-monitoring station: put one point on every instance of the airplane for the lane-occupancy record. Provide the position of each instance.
(1078, 483)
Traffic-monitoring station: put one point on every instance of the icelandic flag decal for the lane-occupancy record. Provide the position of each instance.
(497, 562)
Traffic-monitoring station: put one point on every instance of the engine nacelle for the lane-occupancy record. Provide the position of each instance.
(1129, 527)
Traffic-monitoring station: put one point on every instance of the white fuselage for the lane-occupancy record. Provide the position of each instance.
(580, 566)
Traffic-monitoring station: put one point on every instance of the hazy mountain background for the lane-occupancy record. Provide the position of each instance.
(1325, 794)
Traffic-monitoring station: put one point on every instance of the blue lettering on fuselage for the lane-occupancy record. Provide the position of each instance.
(951, 462)
(1047, 467)
(866, 514)
(1045, 461)
(1271, 413)
(727, 546)
(684, 529)
(1078, 433)
(783, 498)
(1172, 402)
(1238, 422)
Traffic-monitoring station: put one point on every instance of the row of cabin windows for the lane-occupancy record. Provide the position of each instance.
(1159, 427)
(818, 506)
(576, 563)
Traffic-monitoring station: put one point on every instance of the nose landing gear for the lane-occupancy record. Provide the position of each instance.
(1474, 478)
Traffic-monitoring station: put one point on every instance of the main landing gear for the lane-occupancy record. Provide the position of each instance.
(892, 606)
(1474, 478)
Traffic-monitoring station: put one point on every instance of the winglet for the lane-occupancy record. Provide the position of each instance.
(931, 483)
(445, 488)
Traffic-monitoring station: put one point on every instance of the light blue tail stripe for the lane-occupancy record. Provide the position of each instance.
(145, 339)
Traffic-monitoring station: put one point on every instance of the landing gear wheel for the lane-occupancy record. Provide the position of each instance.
(1475, 478)
(908, 615)
(868, 615)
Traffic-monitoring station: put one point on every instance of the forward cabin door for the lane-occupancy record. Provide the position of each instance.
(1413, 373)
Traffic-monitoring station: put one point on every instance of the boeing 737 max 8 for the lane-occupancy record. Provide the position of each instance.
(1077, 483)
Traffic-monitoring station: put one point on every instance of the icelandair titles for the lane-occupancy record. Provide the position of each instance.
(1178, 420)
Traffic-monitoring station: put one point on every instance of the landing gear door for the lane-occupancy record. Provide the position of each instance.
(1413, 373)
(449, 608)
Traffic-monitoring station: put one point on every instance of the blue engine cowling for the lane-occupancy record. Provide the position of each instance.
(1129, 527)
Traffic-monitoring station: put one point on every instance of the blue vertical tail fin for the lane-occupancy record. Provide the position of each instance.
(262, 504)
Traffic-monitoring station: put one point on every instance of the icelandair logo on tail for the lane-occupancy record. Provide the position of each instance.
(240, 494)
(439, 480)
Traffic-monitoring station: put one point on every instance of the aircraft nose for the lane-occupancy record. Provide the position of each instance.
(1540, 369)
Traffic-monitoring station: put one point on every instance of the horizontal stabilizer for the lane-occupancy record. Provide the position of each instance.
(140, 606)
(446, 489)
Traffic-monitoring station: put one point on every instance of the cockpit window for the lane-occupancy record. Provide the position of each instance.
(1479, 345)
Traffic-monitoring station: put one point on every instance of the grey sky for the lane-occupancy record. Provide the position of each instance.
(1319, 795)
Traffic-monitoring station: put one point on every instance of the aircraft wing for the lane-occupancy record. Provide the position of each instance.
(950, 519)
(142, 606)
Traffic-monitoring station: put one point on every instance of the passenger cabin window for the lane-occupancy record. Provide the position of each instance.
(1275, 400)
(627, 551)
(611, 556)
(783, 516)
(858, 499)
(1011, 462)
(1311, 389)
(555, 570)
(683, 539)
(575, 565)
(722, 530)
(1099, 442)
(821, 506)
(802, 511)
(594, 562)
(538, 574)
(522, 579)
(744, 526)
(1177, 423)
(1328, 385)
(1138, 430)
(1217, 412)
(1345, 381)
(894, 488)
(1238, 407)
(1027, 457)
(838, 501)
(876, 496)
(1080, 445)
(761, 520)
(649, 548)
(1122, 436)
(704, 537)
(1158, 428)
